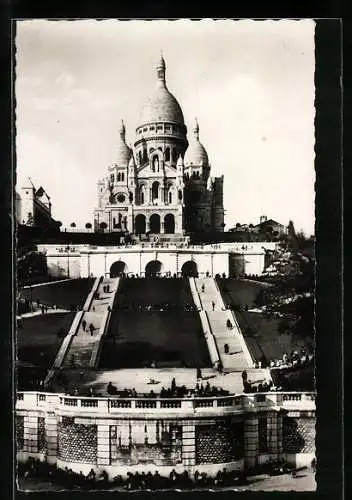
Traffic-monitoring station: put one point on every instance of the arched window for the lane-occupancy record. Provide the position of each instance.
(155, 191)
(170, 196)
(167, 154)
(118, 177)
(142, 195)
(122, 176)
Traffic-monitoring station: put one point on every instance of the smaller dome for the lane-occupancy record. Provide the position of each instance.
(196, 153)
(123, 152)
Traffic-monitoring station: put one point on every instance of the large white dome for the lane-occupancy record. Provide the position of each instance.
(162, 105)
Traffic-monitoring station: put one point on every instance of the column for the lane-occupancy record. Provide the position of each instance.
(251, 442)
(103, 449)
(272, 434)
(162, 226)
(279, 434)
(51, 437)
(30, 433)
(188, 444)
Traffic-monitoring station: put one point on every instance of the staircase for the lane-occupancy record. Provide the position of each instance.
(208, 294)
(84, 346)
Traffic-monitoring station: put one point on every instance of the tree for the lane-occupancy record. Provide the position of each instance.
(291, 230)
(88, 225)
(73, 224)
(238, 224)
(31, 266)
(103, 225)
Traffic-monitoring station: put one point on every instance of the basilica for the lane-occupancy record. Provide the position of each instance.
(162, 185)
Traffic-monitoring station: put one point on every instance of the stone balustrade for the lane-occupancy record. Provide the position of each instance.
(234, 403)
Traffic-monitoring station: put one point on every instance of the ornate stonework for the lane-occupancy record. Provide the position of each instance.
(163, 185)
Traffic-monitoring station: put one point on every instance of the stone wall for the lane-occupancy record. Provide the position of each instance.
(77, 442)
(298, 434)
(185, 434)
(220, 442)
(158, 443)
(42, 444)
(19, 429)
(262, 435)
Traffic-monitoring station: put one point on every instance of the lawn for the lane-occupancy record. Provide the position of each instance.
(264, 339)
(154, 291)
(240, 292)
(171, 339)
(37, 345)
(63, 294)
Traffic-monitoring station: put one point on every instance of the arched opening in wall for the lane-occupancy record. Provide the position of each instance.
(167, 154)
(139, 224)
(117, 269)
(174, 155)
(189, 269)
(169, 199)
(169, 224)
(153, 268)
(155, 223)
(141, 195)
(155, 191)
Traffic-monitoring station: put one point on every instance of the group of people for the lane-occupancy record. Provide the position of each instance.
(292, 360)
(132, 306)
(173, 391)
(25, 305)
(68, 478)
(90, 329)
(250, 387)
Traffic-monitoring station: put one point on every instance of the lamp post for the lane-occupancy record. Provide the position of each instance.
(30, 288)
(68, 260)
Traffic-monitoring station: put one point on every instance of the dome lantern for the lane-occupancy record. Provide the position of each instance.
(162, 105)
(160, 69)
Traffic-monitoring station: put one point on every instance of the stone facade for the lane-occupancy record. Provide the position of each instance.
(163, 184)
(121, 435)
(82, 261)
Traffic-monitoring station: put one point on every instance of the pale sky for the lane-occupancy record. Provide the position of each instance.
(249, 83)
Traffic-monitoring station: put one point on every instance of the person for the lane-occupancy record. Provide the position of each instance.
(199, 373)
(109, 308)
(226, 348)
(203, 288)
(111, 389)
(228, 324)
(213, 305)
(84, 324)
(91, 329)
(173, 384)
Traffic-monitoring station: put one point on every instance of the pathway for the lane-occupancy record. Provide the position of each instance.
(85, 341)
(237, 358)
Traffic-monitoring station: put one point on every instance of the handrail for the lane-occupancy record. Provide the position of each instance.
(195, 404)
(89, 300)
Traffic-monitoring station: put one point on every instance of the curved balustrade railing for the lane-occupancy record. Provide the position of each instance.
(219, 404)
